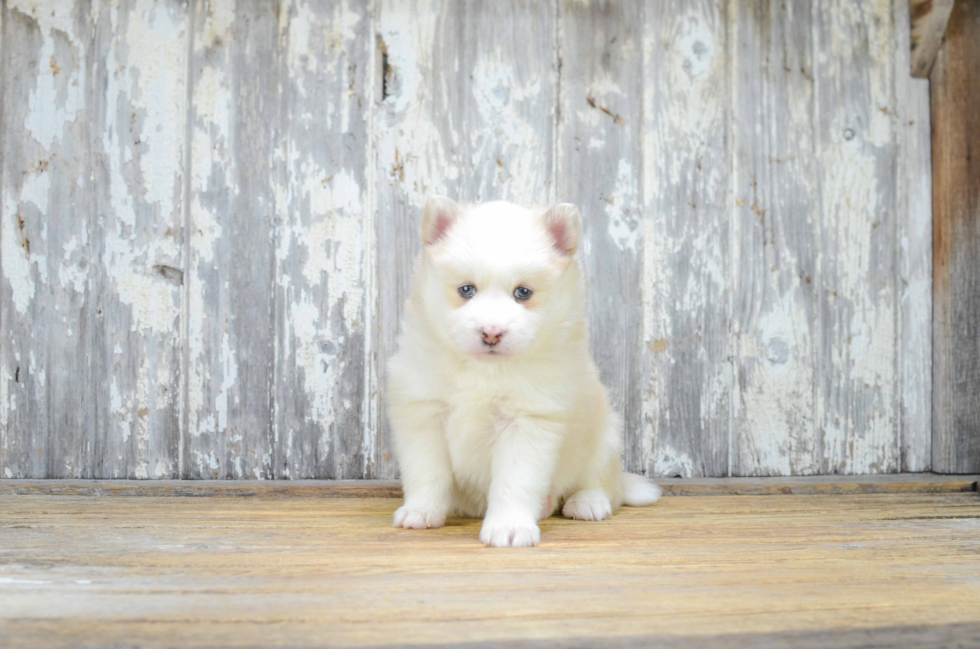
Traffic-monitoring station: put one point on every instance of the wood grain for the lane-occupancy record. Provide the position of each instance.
(687, 374)
(196, 572)
(600, 167)
(956, 240)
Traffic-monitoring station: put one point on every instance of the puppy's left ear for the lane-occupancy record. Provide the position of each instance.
(438, 216)
(564, 223)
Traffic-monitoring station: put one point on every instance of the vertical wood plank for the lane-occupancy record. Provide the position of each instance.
(467, 109)
(914, 252)
(139, 181)
(230, 229)
(600, 169)
(48, 202)
(956, 241)
(856, 142)
(775, 252)
(326, 227)
(5, 471)
(687, 200)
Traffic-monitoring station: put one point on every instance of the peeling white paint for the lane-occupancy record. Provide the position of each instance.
(671, 462)
(212, 171)
(335, 241)
(15, 261)
(774, 414)
(416, 159)
(621, 208)
(505, 132)
(72, 273)
(57, 98)
(229, 376)
(157, 59)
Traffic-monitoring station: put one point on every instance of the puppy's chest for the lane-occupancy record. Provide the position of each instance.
(474, 420)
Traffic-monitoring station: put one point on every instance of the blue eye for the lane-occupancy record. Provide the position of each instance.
(467, 291)
(523, 293)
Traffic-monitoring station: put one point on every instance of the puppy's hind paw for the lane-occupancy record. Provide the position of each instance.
(588, 505)
(509, 531)
(418, 518)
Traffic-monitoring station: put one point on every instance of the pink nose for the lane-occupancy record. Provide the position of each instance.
(492, 335)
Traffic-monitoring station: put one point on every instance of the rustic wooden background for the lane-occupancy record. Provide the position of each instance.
(209, 218)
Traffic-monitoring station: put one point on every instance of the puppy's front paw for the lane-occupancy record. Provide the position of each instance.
(418, 518)
(588, 505)
(510, 531)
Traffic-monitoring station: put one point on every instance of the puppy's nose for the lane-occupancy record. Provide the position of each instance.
(492, 335)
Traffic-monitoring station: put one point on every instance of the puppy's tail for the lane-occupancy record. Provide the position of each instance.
(638, 491)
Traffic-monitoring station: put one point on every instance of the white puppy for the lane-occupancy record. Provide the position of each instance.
(496, 405)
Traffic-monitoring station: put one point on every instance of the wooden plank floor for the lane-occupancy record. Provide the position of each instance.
(852, 570)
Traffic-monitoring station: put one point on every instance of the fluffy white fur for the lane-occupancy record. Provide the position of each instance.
(514, 430)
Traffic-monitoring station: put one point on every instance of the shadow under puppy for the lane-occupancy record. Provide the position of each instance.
(496, 405)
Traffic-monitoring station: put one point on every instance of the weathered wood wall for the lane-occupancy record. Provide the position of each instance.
(209, 218)
(956, 168)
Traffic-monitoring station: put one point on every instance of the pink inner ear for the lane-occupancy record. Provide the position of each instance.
(443, 221)
(559, 232)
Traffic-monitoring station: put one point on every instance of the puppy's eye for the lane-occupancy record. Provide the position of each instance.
(523, 293)
(467, 291)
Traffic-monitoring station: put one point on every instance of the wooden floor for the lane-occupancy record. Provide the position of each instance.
(790, 570)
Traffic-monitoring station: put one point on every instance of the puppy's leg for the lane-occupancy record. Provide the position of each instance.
(524, 457)
(427, 477)
(599, 496)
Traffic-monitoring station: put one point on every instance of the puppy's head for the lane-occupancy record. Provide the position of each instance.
(498, 279)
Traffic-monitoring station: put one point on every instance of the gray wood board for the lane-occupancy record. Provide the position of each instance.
(138, 182)
(857, 370)
(48, 394)
(221, 203)
(914, 210)
(687, 238)
(776, 310)
(233, 138)
(323, 242)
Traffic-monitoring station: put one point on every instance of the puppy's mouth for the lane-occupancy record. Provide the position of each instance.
(492, 350)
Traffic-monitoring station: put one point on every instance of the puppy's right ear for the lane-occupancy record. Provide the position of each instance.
(439, 214)
(564, 223)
